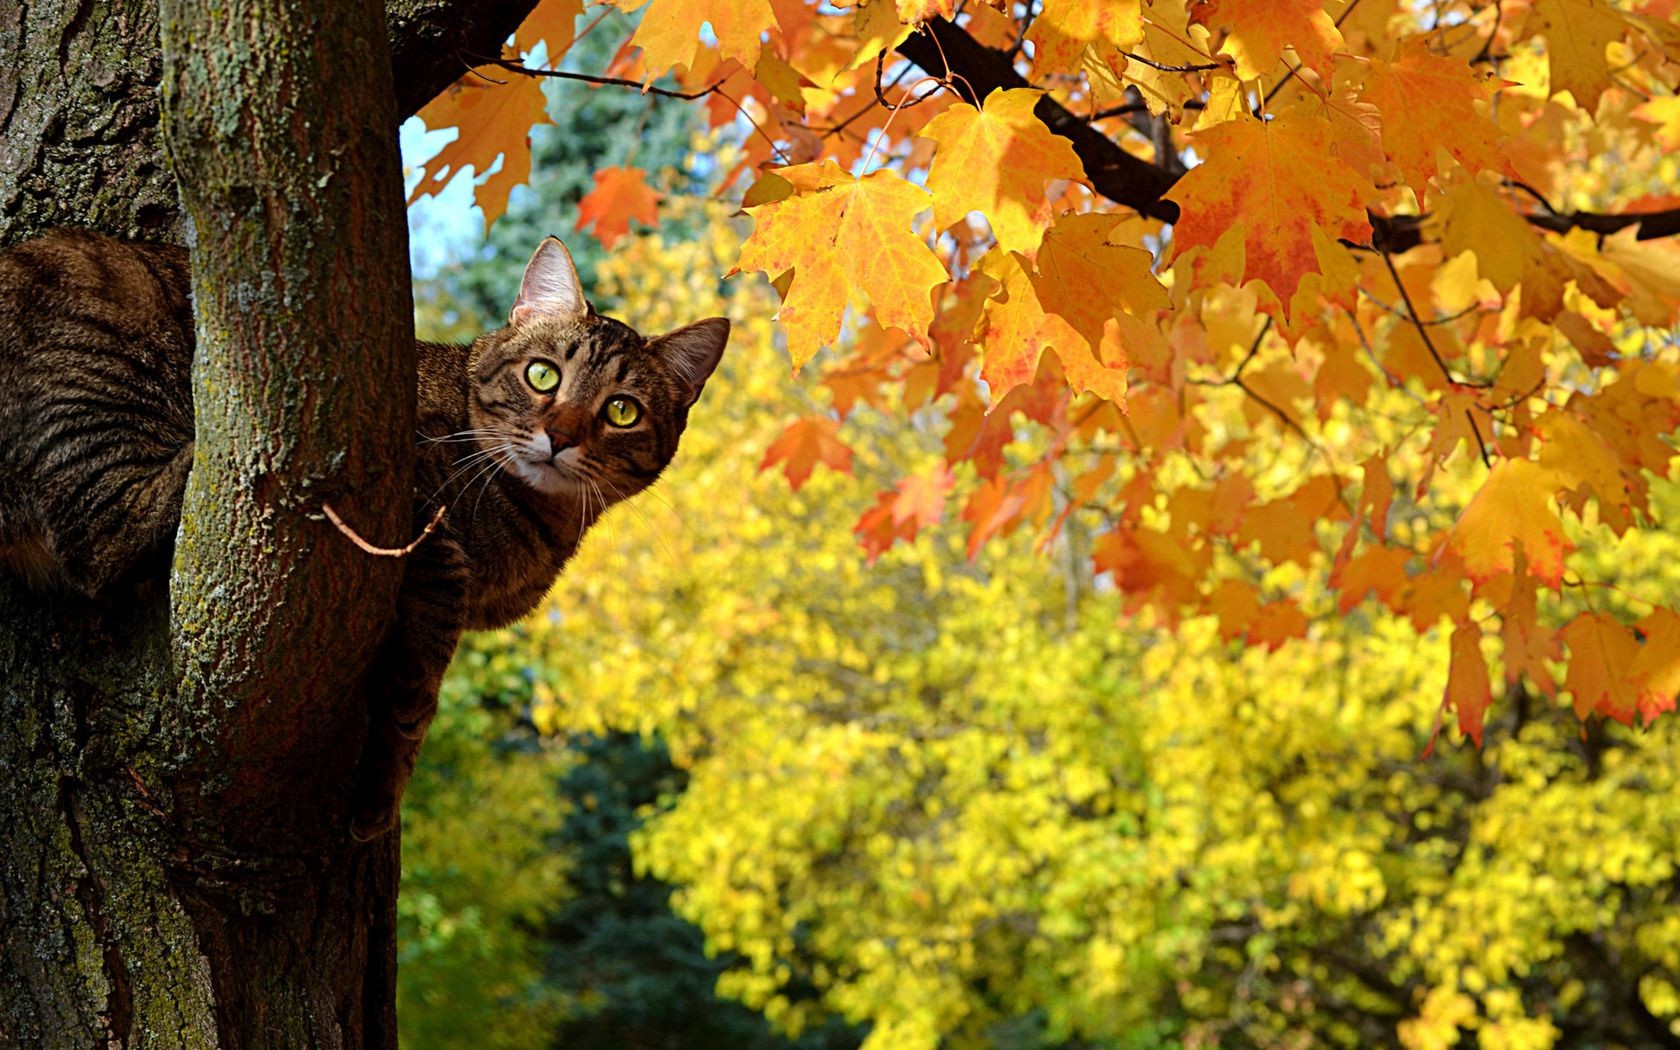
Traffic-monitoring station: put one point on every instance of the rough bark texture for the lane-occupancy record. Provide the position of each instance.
(175, 762)
(79, 140)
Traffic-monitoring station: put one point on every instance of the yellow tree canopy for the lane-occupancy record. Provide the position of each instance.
(1299, 307)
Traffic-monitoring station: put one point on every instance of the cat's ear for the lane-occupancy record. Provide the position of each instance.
(550, 289)
(693, 351)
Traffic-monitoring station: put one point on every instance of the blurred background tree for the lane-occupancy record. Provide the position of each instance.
(737, 787)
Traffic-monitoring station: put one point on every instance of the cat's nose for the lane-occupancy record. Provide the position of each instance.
(561, 440)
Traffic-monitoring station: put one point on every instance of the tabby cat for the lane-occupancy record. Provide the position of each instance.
(526, 436)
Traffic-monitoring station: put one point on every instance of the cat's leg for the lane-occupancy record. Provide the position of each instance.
(102, 519)
(405, 680)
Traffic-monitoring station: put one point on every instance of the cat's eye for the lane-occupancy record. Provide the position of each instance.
(542, 376)
(623, 412)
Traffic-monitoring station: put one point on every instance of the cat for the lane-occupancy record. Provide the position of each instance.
(527, 435)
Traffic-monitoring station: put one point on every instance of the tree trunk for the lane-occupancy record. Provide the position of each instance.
(175, 763)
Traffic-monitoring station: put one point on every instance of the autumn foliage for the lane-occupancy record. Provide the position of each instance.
(1303, 304)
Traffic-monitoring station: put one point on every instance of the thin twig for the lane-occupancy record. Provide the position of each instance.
(384, 552)
(589, 78)
(1194, 68)
(1417, 322)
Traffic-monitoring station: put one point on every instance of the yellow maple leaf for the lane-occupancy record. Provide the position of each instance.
(494, 119)
(1577, 32)
(996, 161)
(1063, 29)
(1509, 513)
(1259, 30)
(835, 233)
(669, 34)
(1273, 181)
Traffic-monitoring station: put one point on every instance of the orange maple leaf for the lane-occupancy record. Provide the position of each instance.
(1276, 623)
(1509, 514)
(620, 194)
(669, 34)
(1273, 181)
(553, 22)
(992, 508)
(1236, 604)
(1601, 657)
(1014, 330)
(1429, 103)
(996, 161)
(876, 530)
(804, 444)
(834, 233)
(494, 119)
(1656, 670)
(921, 498)
(1259, 30)
(1468, 690)
(1085, 280)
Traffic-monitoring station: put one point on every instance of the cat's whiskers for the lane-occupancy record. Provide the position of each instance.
(471, 462)
(489, 476)
(459, 436)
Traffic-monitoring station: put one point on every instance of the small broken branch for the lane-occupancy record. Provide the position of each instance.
(384, 552)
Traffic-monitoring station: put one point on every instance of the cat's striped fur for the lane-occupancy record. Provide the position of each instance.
(96, 433)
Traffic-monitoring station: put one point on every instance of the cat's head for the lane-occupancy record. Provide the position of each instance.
(575, 398)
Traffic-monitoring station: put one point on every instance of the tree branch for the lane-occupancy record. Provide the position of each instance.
(303, 387)
(1141, 185)
(429, 38)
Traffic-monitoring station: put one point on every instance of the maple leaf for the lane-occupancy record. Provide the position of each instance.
(1509, 514)
(1276, 623)
(1601, 657)
(620, 195)
(669, 34)
(1468, 690)
(1063, 30)
(1656, 670)
(1577, 33)
(1528, 645)
(804, 444)
(1376, 495)
(991, 509)
(1014, 329)
(494, 119)
(1085, 280)
(876, 530)
(835, 233)
(1577, 456)
(1259, 30)
(553, 22)
(915, 12)
(1236, 603)
(996, 160)
(1431, 107)
(1273, 181)
(921, 498)
(1377, 570)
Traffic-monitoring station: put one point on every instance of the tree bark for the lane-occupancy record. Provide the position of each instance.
(175, 763)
